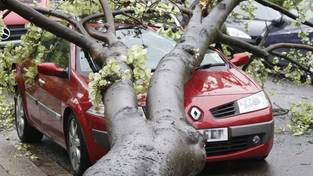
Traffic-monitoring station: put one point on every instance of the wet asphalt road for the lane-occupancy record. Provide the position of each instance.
(290, 156)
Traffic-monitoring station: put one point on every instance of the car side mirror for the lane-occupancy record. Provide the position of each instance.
(51, 69)
(240, 59)
(278, 22)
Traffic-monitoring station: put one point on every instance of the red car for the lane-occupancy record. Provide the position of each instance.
(221, 101)
(15, 25)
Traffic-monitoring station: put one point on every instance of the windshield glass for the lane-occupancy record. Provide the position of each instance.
(156, 46)
(306, 7)
(268, 14)
(261, 12)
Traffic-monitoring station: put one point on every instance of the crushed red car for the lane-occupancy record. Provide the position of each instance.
(228, 107)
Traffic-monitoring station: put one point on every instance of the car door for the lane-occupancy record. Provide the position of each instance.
(32, 97)
(53, 90)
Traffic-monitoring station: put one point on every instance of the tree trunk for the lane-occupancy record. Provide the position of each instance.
(164, 144)
(161, 143)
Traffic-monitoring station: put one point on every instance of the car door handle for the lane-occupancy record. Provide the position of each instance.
(41, 82)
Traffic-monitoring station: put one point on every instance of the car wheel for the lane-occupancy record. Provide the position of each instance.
(25, 132)
(76, 147)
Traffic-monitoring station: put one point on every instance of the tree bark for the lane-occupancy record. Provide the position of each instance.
(164, 144)
(161, 143)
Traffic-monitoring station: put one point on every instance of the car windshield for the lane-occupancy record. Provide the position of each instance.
(261, 12)
(156, 46)
(268, 14)
(307, 8)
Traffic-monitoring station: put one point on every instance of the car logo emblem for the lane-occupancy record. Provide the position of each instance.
(6, 33)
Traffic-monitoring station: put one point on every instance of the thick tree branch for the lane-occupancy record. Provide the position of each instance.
(289, 45)
(101, 15)
(180, 62)
(64, 16)
(182, 9)
(283, 11)
(107, 38)
(135, 135)
(266, 52)
(304, 68)
(231, 41)
(108, 15)
(134, 147)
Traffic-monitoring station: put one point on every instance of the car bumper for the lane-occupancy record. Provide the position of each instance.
(97, 137)
(241, 145)
(14, 42)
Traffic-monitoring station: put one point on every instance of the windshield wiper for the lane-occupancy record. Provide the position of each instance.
(206, 66)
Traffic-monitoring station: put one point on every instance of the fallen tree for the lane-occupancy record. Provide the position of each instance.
(162, 143)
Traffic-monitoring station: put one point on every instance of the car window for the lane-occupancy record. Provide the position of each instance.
(82, 65)
(58, 51)
(307, 8)
(156, 45)
(261, 12)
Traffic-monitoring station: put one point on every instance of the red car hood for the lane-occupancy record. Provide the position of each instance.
(216, 82)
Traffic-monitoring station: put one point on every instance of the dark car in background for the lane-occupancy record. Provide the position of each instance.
(271, 25)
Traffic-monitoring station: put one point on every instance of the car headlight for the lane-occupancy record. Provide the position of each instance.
(96, 110)
(237, 33)
(253, 102)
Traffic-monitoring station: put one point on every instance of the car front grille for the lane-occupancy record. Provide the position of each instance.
(225, 110)
(16, 32)
(234, 144)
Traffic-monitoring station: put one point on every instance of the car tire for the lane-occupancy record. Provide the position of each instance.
(76, 146)
(25, 132)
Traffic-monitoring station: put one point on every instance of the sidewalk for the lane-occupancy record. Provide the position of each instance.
(13, 164)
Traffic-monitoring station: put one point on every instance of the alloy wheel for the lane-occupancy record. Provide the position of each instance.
(74, 145)
(20, 119)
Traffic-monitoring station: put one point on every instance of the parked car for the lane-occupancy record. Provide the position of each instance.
(279, 27)
(15, 25)
(229, 108)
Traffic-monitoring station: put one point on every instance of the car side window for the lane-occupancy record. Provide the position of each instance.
(58, 51)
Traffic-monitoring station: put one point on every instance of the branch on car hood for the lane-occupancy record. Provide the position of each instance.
(232, 41)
